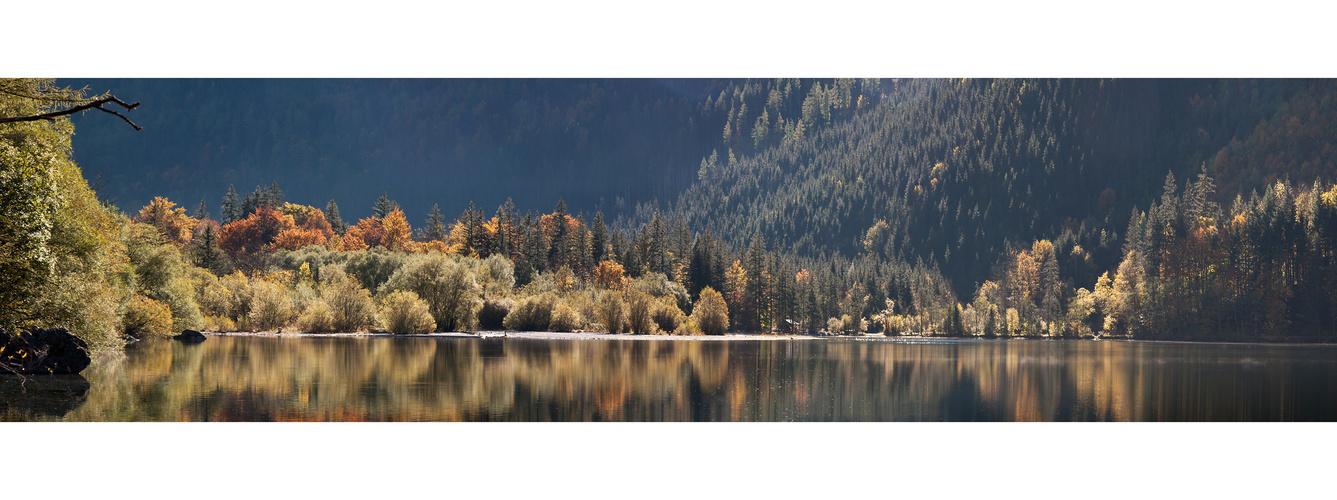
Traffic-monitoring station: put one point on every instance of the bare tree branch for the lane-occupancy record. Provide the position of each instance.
(91, 105)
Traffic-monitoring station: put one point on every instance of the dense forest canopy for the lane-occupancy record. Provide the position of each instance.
(1199, 209)
(958, 172)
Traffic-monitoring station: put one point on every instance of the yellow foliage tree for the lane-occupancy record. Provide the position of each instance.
(397, 230)
(170, 219)
(608, 274)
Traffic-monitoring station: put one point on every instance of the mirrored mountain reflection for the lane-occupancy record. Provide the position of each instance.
(468, 379)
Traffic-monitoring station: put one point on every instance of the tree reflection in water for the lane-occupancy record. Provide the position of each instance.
(468, 379)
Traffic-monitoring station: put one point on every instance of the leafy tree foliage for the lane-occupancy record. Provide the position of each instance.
(711, 313)
(404, 312)
(450, 289)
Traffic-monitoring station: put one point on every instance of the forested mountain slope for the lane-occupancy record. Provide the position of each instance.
(422, 142)
(958, 172)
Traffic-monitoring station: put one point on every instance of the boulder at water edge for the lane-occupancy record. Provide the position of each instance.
(41, 351)
(190, 336)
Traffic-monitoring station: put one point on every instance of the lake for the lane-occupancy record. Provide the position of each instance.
(238, 378)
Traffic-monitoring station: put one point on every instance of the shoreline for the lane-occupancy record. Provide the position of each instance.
(502, 334)
(496, 334)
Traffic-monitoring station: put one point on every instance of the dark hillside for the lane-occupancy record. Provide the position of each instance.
(958, 171)
(422, 142)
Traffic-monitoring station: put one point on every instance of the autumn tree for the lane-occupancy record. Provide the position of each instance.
(711, 313)
(252, 234)
(396, 230)
(608, 275)
(170, 220)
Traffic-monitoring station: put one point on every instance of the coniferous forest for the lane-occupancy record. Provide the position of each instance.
(1142, 209)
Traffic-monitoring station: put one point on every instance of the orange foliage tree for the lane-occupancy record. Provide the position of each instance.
(312, 228)
(352, 240)
(171, 220)
(251, 234)
(298, 237)
(608, 274)
(372, 231)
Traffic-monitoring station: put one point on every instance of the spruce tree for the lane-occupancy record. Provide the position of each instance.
(436, 225)
(758, 307)
(383, 207)
(200, 212)
(250, 204)
(208, 255)
(272, 197)
(230, 210)
(599, 238)
(656, 253)
(332, 216)
(505, 227)
(558, 252)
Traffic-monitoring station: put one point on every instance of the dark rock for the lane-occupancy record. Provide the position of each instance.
(190, 336)
(43, 352)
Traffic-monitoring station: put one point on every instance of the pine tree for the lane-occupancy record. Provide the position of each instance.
(599, 238)
(505, 244)
(758, 304)
(814, 311)
(582, 257)
(207, 253)
(250, 204)
(558, 251)
(655, 249)
(272, 196)
(230, 208)
(435, 230)
(332, 216)
(200, 212)
(383, 207)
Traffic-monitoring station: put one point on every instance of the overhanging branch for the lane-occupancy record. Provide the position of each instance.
(96, 104)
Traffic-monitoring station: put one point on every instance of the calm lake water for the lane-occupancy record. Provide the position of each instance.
(469, 379)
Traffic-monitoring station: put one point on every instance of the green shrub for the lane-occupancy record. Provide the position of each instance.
(373, 267)
(611, 313)
(303, 296)
(213, 298)
(450, 290)
(318, 318)
(161, 275)
(688, 327)
(316, 257)
(531, 314)
(711, 313)
(638, 313)
(564, 319)
(239, 289)
(219, 324)
(666, 315)
(659, 286)
(493, 313)
(147, 318)
(271, 306)
(351, 304)
(497, 275)
(403, 312)
(834, 326)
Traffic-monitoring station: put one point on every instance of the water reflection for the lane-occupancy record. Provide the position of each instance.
(40, 397)
(456, 379)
